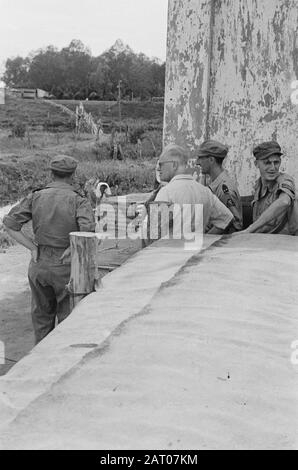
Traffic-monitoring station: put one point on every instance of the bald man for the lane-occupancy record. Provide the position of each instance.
(183, 189)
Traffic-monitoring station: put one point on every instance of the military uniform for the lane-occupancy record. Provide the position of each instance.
(266, 194)
(55, 210)
(226, 190)
(223, 186)
(263, 198)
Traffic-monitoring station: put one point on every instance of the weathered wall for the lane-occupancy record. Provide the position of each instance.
(187, 76)
(247, 51)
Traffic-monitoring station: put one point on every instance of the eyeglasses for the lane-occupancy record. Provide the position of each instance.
(167, 161)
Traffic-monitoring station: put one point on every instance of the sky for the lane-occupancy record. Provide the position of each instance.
(28, 25)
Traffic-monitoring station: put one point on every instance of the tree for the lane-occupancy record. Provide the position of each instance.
(73, 72)
(17, 72)
(77, 67)
(47, 70)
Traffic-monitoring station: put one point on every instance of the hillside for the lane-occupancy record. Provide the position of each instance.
(108, 111)
(34, 113)
(49, 131)
(42, 113)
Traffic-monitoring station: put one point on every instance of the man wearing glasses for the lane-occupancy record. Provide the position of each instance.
(183, 189)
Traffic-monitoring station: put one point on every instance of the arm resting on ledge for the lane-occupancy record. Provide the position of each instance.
(277, 208)
(216, 231)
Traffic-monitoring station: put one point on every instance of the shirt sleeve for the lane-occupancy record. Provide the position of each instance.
(286, 185)
(220, 215)
(163, 195)
(19, 214)
(85, 215)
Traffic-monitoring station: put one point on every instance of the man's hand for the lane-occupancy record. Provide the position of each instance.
(19, 237)
(66, 257)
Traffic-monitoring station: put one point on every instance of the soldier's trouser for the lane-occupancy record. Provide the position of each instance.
(50, 299)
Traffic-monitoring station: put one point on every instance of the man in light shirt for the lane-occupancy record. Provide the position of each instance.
(182, 189)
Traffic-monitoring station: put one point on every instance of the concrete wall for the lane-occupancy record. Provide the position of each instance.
(230, 67)
(155, 360)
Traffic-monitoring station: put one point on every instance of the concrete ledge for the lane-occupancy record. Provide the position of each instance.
(123, 294)
(175, 352)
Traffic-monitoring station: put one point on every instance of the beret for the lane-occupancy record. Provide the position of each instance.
(63, 163)
(212, 148)
(266, 149)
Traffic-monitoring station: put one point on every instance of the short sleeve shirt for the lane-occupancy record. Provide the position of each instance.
(183, 189)
(55, 211)
(227, 192)
(265, 196)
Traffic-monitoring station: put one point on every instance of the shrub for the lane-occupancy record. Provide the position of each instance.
(123, 177)
(136, 132)
(58, 125)
(19, 130)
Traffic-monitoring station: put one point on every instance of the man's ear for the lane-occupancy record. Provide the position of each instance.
(256, 163)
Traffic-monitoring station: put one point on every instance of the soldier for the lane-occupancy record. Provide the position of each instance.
(211, 155)
(274, 204)
(55, 210)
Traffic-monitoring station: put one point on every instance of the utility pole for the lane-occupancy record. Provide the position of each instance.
(119, 103)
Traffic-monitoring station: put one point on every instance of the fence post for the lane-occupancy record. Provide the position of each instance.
(83, 275)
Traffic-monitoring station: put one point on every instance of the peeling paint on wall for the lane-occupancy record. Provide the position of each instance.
(186, 87)
(254, 60)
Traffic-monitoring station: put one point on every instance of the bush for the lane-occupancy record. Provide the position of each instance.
(101, 151)
(123, 177)
(58, 125)
(19, 130)
(136, 132)
(93, 96)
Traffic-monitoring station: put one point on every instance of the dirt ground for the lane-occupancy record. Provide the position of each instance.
(15, 321)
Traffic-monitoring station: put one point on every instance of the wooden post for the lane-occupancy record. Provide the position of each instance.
(119, 105)
(83, 265)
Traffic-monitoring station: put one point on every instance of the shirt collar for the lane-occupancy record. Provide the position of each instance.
(262, 189)
(182, 177)
(214, 184)
(59, 184)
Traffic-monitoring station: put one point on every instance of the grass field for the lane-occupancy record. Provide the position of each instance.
(33, 113)
(108, 111)
(49, 131)
(37, 113)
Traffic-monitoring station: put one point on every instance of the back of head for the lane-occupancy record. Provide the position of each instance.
(63, 166)
(176, 153)
(213, 148)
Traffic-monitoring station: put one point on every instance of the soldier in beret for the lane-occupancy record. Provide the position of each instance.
(55, 211)
(274, 197)
(211, 155)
